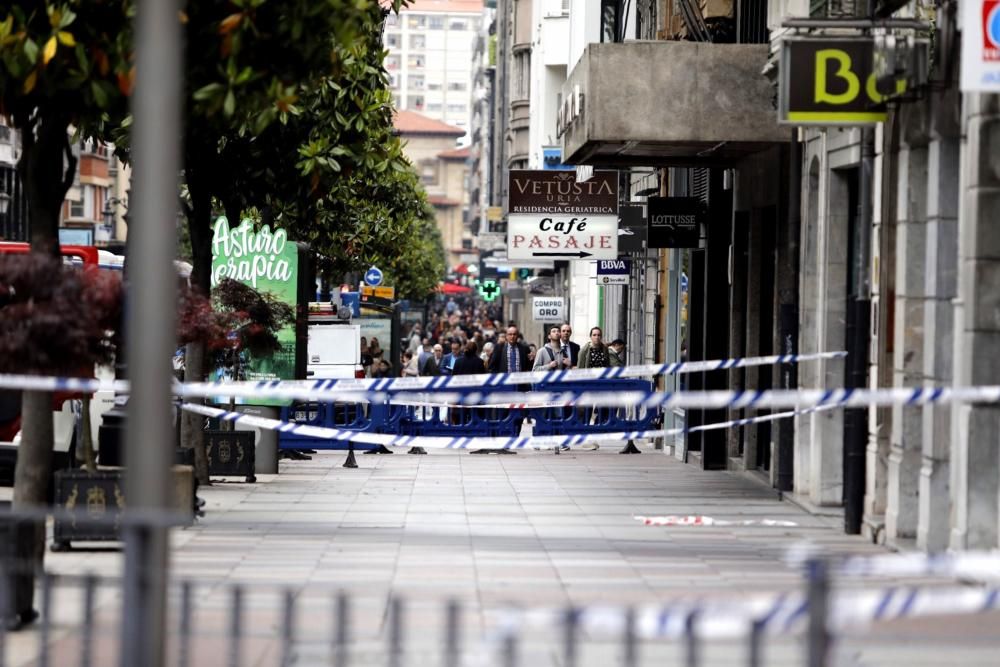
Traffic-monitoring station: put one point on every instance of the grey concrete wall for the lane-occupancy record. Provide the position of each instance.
(975, 461)
(676, 92)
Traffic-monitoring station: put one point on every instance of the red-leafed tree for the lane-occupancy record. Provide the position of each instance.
(54, 320)
(237, 320)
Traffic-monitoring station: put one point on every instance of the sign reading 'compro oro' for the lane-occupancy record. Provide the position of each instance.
(548, 308)
(552, 215)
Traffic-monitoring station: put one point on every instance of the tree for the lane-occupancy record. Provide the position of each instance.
(53, 321)
(63, 65)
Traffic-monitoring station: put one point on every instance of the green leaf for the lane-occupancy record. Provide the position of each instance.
(229, 106)
(31, 50)
(100, 97)
(208, 92)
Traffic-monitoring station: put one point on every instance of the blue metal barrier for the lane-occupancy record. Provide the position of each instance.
(364, 418)
(563, 421)
(467, 421)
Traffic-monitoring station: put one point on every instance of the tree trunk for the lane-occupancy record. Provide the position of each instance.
(195, 369)
(192, 425)
(47, 168)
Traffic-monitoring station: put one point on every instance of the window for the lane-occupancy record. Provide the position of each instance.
(392, 62)
(416, 22)
(433, 86)
(436, 23)
(521, 86)
(415, 83)
(433, 107)
(415, 62)
(458, 24)
(456, 108)
(418, 41)
(394, 80)
(76, 208)
(457, 85)
(391, 20)
(392, 41)
(428, 172)
(417, 102)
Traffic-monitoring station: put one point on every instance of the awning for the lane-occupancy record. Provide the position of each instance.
(452, 288)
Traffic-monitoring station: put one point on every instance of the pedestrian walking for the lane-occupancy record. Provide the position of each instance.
(552, 355)
(447, 365)
(572, 349)
(594, 353)
(410, 368)
(509, 356)
(616, 353)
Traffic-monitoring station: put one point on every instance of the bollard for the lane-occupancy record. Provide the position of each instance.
(691, 640)
(341, 631)
(417, 450)
(381, 449)
(87, 639)
(44, 632)
(571, 619)
(452, 630)
(818, 575)
(630, 640)
(630, 448)
(756, 633)
(184, 642)
(396, 633)
(351, 462)
(235, 627)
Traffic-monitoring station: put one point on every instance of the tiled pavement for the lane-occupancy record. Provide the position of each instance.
(531, 529)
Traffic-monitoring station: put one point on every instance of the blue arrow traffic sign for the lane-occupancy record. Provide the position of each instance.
(373, 277)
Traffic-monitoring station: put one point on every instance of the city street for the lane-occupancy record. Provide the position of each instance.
(533, 529)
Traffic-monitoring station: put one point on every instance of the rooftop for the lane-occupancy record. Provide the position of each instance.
(411, 122)
(456, 153)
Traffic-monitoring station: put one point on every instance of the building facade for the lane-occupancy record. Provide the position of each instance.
(430, 47)
(443, 168)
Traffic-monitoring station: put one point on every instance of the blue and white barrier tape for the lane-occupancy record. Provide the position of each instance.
(799, 399)
(975, 565)
(776, 614)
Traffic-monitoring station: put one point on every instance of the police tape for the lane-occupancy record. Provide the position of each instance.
(976, 565)
(699, 520)
(775, 614)
(468, 442)
(370, 387)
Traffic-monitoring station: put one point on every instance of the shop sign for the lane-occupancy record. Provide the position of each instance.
(388, 293)
(631, 229)
(674, 222)
(548, 309)
(613, 271)
(268, 262)
(552, 215)
(828, 81)
(981, 46)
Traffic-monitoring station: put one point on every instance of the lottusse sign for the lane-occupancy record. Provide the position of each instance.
(553, 216)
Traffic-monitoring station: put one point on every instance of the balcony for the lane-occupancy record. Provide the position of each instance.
(667, 103)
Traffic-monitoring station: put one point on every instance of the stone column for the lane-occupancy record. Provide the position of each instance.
(940, 280)
(975, 431)
(908, 345)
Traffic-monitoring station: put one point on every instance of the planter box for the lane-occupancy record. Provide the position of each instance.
(231, 453)
(101, 495)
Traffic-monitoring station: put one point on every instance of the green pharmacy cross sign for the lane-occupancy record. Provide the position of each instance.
(489, 290)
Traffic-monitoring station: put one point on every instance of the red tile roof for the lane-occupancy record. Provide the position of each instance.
(411, 122)
(441, 200)
(422, 6)
(456, 153)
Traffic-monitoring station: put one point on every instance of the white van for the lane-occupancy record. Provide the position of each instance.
(334, 349)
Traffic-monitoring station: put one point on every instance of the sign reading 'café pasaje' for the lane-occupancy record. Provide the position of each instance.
(553, 215)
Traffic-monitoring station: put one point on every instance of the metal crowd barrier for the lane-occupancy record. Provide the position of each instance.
(459, 421)
(269, 623)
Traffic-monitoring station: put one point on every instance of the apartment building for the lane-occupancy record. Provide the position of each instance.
(430, 45)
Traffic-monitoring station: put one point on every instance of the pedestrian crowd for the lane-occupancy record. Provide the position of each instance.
(468, 339)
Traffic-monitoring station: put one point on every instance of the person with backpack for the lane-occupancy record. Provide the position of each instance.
(551, 356)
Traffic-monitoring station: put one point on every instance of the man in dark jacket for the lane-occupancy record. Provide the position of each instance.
(565, 331)
(510, 356)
